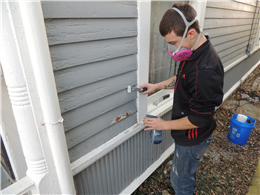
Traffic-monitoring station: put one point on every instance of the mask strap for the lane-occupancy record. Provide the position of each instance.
(196, 41)
(187, 24)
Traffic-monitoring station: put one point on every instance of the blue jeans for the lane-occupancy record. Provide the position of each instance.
(184, 166)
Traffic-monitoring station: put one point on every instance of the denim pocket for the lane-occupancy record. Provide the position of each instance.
(198, 151)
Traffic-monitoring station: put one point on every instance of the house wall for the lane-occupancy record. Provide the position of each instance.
(93, 47)
(228, 24)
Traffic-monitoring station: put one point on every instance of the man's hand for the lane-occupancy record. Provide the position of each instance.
(150, 88)
(154, 123)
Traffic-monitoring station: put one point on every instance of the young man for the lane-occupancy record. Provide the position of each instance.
(197, 91)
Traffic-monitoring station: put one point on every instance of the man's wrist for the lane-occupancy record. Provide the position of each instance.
(157, 86)
(168, 125)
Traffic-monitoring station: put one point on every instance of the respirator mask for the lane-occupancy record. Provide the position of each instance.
(181, 53)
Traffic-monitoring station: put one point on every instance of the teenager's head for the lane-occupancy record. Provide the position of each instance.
(172, 21)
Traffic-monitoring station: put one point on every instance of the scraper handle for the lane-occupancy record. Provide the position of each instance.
(144, 89)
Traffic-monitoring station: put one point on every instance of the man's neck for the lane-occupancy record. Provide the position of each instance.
(202, 40)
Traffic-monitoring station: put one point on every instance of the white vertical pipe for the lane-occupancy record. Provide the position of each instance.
(200, 7)
(33, 22)
(257, 35)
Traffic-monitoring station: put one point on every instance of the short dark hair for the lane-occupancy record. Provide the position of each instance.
(172, 21)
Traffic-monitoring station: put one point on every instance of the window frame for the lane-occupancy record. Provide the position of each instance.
(166, 105)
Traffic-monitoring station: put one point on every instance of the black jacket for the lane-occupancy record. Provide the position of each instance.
(198, 90)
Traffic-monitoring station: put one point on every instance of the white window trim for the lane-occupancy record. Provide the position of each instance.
(143, 42)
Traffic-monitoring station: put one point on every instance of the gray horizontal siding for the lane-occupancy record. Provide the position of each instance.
(230, 37)
(228, 24)
(80, 141)
(218, 23)
(230, 4)
(79, 116)
(116, 170)
(228, 13)
(78, 30)
(96, 90)
(222, 31)
(93, 48)
(233, 44)
(88, 9)
(73, 54)
(77, 76)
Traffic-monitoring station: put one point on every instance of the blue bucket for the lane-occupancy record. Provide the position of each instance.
(239, 132)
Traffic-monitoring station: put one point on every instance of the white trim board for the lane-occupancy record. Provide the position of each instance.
(20, 187)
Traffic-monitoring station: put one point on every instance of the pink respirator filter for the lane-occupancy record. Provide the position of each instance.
(181, 55)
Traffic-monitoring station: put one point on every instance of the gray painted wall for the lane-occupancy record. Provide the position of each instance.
(228, 24)
(93, 47)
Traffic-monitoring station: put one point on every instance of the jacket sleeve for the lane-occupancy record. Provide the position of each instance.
(206, 89)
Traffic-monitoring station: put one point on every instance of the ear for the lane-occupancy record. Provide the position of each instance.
(191, 33)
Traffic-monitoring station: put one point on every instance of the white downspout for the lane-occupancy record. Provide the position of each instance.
(35, 33)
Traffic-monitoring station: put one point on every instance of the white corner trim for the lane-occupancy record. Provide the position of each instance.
(143, 42)
(136, 183)
(236, 85)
